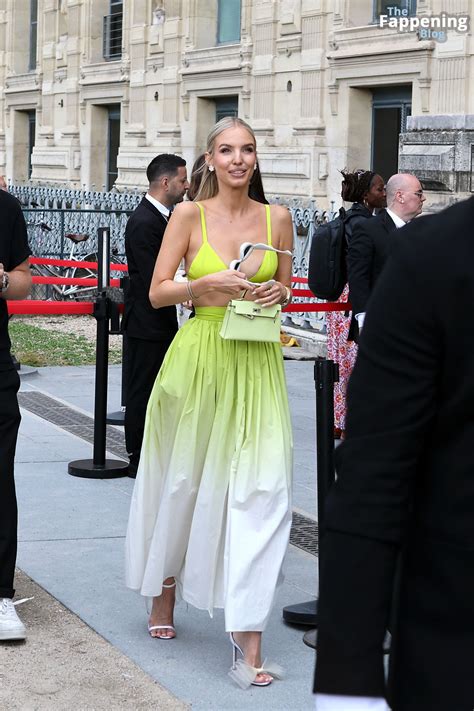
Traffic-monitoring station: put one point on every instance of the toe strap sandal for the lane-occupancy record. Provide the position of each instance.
(161, 627)
(245, 675)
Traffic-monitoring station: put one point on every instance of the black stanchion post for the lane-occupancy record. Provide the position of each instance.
(326, 373)
(118, 417)
(100, 467)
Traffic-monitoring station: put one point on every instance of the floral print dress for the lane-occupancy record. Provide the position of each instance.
(342, 352)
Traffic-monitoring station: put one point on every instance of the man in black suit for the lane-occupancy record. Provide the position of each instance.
(15, 283)
(149, 331)
(406, 485)
(370, 242)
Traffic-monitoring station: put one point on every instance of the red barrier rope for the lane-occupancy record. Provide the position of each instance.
(75, 263)
(338, 306)
(74, 307)
(49, 307)
(303, 292)
(29, 307)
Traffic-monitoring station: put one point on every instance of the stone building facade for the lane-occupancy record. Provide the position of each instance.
(91, 90)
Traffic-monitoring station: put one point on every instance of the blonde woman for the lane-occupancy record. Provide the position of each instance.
(211, 508)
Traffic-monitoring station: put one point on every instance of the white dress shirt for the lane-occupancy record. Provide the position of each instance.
(398, 223)
(333, 702)
(159, 206)
(398, 220)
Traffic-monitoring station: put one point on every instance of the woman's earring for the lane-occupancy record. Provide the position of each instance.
(255, 167)
(211, 168)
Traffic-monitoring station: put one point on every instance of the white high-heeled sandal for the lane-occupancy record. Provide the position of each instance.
(245, 674)
(163, 627)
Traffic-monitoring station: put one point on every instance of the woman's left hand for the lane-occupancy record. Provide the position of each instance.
(270, 293)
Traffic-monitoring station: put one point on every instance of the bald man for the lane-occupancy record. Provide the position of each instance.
(369, 246)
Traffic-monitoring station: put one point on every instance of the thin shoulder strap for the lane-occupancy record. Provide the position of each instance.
(269, 225)
(203, 222)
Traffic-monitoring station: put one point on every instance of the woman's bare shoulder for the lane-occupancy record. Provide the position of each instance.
(280, 215)
(186, 209)
(185, 212)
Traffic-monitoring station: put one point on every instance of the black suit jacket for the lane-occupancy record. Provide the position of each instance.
(406, 482)
(143, 237)
(368, 249)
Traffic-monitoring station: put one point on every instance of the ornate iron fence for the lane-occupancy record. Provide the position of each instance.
(306, 219)
(51, 213)
(48, 231)
(70, 199)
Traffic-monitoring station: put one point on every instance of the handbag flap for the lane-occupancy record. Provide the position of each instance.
(251, 309)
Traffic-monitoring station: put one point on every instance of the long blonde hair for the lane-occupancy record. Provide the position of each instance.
(209, 187)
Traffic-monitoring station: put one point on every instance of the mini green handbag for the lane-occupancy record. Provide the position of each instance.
(248, 321)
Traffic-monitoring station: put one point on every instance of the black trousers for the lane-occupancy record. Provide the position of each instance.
(9, 424)
(144, 359)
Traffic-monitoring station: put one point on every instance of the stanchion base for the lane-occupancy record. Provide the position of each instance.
(116, 418)
(86, 468)
(26, 370)
(310, 638)
(305, 613)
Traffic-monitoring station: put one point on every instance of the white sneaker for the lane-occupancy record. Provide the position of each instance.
(11, 627)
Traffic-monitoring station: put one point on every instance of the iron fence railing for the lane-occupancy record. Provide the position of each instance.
(306, 219)
(35, 196)
(52, 213)
(48, 231)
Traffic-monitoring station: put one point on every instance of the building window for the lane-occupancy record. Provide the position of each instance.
(390, 108)
(381, 7)
(33, 34)
(113, 31)
(227, 106)
(228, 21)
(113, 144)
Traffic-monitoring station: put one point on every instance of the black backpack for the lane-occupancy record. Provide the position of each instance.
(327, 272)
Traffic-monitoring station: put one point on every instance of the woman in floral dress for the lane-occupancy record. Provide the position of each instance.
(366, 190)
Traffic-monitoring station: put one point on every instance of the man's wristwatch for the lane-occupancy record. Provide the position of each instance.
(5, 283)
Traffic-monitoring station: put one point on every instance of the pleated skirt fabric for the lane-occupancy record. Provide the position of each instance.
(212, 499)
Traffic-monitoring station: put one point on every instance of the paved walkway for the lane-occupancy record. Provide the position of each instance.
(71, 544)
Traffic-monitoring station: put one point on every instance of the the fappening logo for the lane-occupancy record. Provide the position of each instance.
(432, 27)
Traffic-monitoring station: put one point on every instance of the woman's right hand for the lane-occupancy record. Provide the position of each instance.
(228, 281)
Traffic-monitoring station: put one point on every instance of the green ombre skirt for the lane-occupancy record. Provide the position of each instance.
(212, 499)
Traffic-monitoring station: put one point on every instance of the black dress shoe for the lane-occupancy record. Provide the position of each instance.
(132, 471)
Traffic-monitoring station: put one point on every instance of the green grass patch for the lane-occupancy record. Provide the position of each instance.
(39, 347)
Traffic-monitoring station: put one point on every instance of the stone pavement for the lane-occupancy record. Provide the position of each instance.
(88, 647)
(66, 665)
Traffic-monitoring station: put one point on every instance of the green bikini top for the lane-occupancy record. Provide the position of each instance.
(207, 261)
